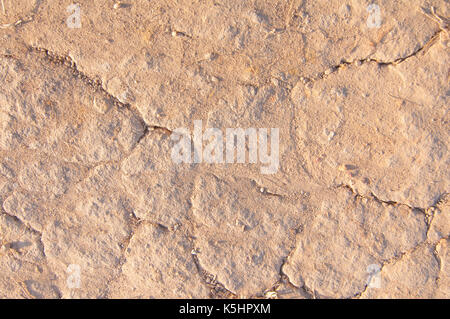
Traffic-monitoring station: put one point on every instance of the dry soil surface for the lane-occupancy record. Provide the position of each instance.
(93, 205)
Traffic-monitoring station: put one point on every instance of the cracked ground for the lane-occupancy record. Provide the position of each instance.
(359, 207)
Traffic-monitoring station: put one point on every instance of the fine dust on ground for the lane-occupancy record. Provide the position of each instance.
(93, 204)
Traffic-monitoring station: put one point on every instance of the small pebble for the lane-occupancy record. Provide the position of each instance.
(331, 135)
(328, 72)
(271, 294)
(210, 56)
(101, 104)
(214, 79)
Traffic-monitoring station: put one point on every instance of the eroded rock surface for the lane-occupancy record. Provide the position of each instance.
(94, 206)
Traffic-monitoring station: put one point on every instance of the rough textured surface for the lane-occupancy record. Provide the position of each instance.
(359, 207)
